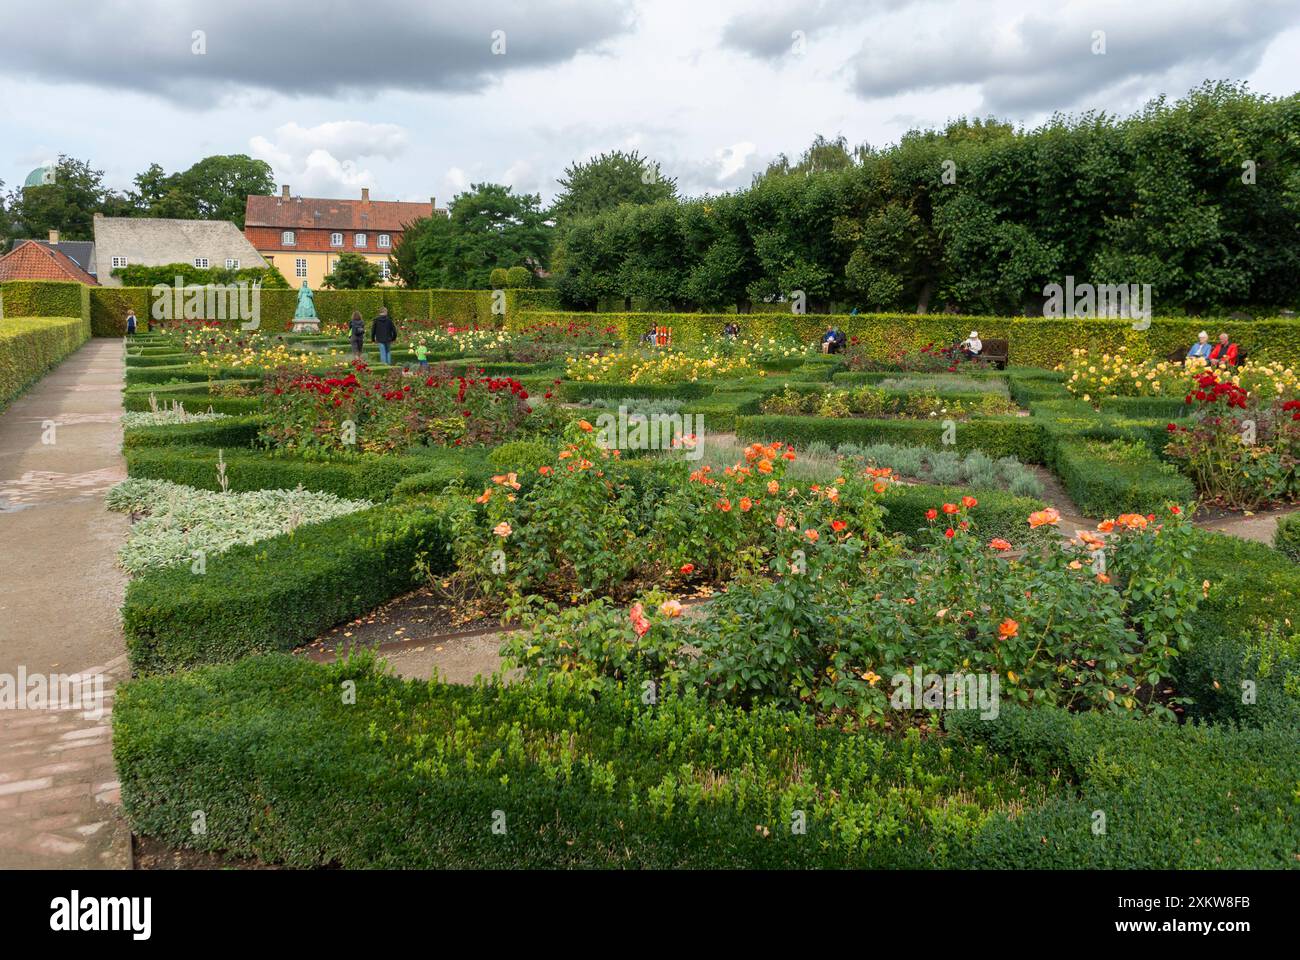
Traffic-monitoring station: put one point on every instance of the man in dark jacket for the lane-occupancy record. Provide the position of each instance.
(383, 332)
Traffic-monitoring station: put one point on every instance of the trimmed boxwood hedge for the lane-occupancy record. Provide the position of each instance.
(1019, 437)
(45, 298)
(1107, 478)
(1173, 797)
(411, 775)
(172, 359)
(572, 390)
(196, 400)
(227, 432)
(358, 477)
(281, 592)
(998, 514)
(32, 346)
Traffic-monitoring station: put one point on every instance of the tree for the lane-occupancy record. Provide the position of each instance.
(609, 180)
(486, 227)
(68, 204)
(215, 188)
(353, 272)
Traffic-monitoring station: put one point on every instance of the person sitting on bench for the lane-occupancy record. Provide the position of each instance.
(1200, 350)
(833, 340)
(1224, 353)
(972, 346)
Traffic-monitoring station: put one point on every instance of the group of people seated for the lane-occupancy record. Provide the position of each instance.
(834, 341)
(1225, 353)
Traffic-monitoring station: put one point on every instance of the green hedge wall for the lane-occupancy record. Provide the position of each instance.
(32, 346)
(195, 399)
(1173, 797)
(45, 298)
(108, 307)
(287, 772)
(1033, 341)
(1019, 437)
(279, 593)
(572, 390)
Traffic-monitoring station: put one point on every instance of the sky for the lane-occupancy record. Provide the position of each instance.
(417, 99)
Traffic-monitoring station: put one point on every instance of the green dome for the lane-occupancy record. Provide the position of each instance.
(40, 177)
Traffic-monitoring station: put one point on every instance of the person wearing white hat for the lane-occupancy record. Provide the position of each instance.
(972, 345)
(1201, 348)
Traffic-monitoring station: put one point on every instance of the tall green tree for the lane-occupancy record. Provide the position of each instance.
(487, 226)
(68, 204)
(610, 180)
(353, 272)
(215, 188)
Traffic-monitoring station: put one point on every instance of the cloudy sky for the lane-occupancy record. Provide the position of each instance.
(413, 98)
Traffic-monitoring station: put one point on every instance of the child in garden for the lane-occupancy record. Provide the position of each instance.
(422, 355)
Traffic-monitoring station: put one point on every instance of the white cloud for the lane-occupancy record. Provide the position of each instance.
(322, 160)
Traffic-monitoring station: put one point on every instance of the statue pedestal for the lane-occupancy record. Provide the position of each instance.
(306, 325)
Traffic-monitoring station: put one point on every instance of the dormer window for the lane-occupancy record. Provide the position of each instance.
(385, 240)
(359, 240)
(336, 239)
(288, 238)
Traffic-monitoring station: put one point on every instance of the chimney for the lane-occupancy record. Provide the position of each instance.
(365, 194)
(433, 202)
(284, 192)
(54, 236)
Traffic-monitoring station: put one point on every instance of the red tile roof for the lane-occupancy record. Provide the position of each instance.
(300, 213)
(34, 261)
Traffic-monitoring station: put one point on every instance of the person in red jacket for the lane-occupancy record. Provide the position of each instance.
(1224, 353)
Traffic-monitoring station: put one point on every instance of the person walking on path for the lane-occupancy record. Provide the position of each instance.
(383, 331)
(357, 333)
(130, 323)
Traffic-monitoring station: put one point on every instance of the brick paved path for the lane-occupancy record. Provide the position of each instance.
(59, 598)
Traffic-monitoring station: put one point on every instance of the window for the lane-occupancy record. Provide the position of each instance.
(336, 239)
(385, 240)
(288, 238)
(384, 270)
(201, 262)
(300, 267)
(359, 240)
(232, 264)
(119, 262)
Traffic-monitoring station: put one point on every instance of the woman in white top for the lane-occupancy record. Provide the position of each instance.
(972, 345)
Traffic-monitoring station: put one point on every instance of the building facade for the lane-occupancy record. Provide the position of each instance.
(304, 236)
(156, 242)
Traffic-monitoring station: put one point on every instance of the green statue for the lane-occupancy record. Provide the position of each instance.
(306, 304)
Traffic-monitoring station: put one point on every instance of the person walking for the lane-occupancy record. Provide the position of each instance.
(357, 333)
(130, 323)
(383, 331)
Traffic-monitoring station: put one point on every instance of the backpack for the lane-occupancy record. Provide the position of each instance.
(357, 328)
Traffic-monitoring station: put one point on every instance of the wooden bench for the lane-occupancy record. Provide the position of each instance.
(995, 352)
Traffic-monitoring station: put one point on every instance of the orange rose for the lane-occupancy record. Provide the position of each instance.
(765, 466)
(746, 504)
(812, 535)
(997, 543)
(773, 487)
(1008, 628)
(1048, 517)
(724, 505)
(969, 502)
(586, 427)
(1106, 526)
(950, 508)
(880, 486)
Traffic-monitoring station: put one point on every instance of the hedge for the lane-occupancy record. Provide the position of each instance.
(108, 307)
(227, 432)
(1106, 478)
(412, 775)
(1173, 797)
(356, 477)
(1033, 341)
(998, 513)
(195, 400)
(1018, 437)
(1286, 538)
(31, 346)
(279, 593)
(1245, 630)
(573, 390)
(45, 298)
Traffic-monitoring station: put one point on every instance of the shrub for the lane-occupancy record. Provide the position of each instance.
(1286, 539)
(1019, 437)
(265, 745)
(45, 298)
(1173, 797)
(1118, 476)
(281, 592)
(226, 432)
(31, 346)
